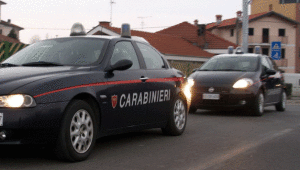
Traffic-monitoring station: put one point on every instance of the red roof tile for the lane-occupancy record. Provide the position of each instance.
(232, 21)
(168, 44)
(189, 32)
(5, 38)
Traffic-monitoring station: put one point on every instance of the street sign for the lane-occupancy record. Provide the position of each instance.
(276, 50)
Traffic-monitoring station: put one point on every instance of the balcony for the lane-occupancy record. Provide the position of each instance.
(260, 39)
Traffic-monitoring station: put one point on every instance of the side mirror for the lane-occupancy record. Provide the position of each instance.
(194, 70)
(120, 65)
(271, 72)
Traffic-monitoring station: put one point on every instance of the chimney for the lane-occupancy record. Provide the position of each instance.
(196, 22)
(219, 19)
(239, 14)
(271, 7)
(104, 23)
(201, 40)
(9, 21)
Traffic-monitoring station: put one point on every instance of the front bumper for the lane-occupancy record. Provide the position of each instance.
(229, 99)
(32, 125)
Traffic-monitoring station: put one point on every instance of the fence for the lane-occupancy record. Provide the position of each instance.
(7, 49)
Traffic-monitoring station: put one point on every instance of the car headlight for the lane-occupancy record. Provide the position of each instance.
(187, 88)
(17, 101)
(243, 83)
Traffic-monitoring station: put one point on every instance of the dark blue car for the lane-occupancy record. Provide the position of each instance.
(67, 92)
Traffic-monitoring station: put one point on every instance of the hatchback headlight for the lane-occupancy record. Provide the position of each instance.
(243, 83)
(17, 101)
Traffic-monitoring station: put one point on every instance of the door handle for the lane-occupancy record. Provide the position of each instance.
(143, 79)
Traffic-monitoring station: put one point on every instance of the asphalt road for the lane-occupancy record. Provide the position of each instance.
(212, 141)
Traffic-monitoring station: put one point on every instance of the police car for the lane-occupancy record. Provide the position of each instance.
(71, 91)
(238, 81)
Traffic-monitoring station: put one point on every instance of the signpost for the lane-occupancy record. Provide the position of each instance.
(276, 50)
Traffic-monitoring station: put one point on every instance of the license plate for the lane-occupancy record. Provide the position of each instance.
(1, 119)
(208, 96)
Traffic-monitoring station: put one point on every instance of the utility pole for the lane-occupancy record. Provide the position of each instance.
(142, 22)
(111, 4)
(245, 25)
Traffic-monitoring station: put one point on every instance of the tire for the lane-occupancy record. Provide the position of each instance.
(79, 118)
(192, 109)
(177, 118)
(282, 104)
(258, 107)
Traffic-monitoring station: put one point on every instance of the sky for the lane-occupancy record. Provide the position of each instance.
(54, 18)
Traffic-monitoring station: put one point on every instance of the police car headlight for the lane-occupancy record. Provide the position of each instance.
(190, 82)
(243, 83)
(187, 88)
(17, 101)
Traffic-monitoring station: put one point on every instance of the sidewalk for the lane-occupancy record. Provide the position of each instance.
(293, 101)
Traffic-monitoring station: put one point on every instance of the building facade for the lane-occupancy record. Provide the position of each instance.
(264, 28)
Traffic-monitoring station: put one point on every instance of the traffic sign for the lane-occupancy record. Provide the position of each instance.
(276, 50)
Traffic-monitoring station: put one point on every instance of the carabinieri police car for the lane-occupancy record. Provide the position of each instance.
(238, 81)
(71, 91)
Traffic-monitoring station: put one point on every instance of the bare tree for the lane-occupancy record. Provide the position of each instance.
(35, 39)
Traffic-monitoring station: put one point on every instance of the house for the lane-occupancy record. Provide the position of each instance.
(206, 40)
(7, 26)
(287, 8)
(179, 52)
(264, 28)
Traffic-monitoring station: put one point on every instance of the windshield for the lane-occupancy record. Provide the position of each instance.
(237, 63)
(65, 51)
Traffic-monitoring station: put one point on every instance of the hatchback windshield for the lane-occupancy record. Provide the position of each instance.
(237, 63)
(65, 51)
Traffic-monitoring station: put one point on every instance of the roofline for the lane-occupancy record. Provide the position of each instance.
(256, 18)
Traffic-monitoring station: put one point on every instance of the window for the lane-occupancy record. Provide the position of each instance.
(265, 51)
(251, 31)
(125, 50)
(282, 53)
(250, 50)
(1, 31)
(152, 59)
(231, 32)
(281, 32)
(287, 1)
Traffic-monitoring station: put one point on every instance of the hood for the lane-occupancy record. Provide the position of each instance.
(15, 77)
(219, 78)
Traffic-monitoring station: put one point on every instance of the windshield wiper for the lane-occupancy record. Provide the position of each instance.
(41, 63)
(8, 65)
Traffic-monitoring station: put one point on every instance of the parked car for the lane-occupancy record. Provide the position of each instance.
(238, 81)
(67, 92)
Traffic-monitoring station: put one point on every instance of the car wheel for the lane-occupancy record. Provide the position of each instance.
(192, 109)
(78, 132)
(282, 104)
(177, 118)
(258, 108)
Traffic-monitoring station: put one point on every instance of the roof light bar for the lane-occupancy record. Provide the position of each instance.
(77, 30)
(230, 50)
(257, 50)
(239, 50)
(125, 31)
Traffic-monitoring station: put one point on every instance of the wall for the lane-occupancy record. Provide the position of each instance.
(185, 66)
(259, 6)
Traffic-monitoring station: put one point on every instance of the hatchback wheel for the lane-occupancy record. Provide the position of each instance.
(282, 104)
(258, 108)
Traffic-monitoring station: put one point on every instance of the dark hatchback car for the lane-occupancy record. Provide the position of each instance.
(238, 81)
(67, 92)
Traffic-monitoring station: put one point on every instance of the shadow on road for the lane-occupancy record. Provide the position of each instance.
(229, 113)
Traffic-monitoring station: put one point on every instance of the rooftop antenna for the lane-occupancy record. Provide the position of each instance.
(142, 22)
(111, 4)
